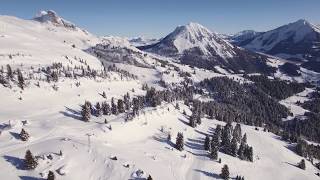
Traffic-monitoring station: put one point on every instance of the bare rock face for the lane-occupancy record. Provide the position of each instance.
(53, 18)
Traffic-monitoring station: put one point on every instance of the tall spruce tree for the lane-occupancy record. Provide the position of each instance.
(234, 147)
(207, 143)
(225, 172)
(127, 101)
(241, 150)
(30, 161)
(9, 72)
(98, 109)
(106, 108)
(214, 152)
(226, 138)
(20, 79)
(237, 133)
(180, 141)
(192, 121)
(120, 106)
(86, 111)
(114, 108)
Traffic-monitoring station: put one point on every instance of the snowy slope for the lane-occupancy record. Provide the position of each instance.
(53, 116)
(243, 37)
(139, 143)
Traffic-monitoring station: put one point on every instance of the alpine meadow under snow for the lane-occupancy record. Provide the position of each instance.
(193, 105)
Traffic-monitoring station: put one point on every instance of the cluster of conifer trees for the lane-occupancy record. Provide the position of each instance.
(230, 141)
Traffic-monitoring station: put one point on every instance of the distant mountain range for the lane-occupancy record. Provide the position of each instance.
(297, 42)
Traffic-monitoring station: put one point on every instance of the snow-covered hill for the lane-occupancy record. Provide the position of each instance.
(32, 43)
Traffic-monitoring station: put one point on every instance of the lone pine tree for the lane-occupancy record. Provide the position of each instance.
(179, 141)
(225, 172)
(24, 136)
(29, 161)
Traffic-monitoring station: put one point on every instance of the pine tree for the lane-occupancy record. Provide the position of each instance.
(179, 141)
(169, 137)
(120, 106)
(207, 143)
(250, 154)
(86, 111)
(149, 177)
(127, 102)
(51, 175)
(98, 109)
(135, 106)
(214, 152)
(302, 164)
(29, 161)
(177, 106)
(24, 136)
(234, 147)
(217, 136)
(9, 72)
(241, 150)
(244, 139)
(237, 133)
(225, 172)
(106, 108)
(104, 94)
(114, 108)
(20, 79)
(226, 138)
(192, 121)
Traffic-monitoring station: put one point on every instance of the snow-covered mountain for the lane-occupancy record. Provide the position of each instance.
(299, 40)
(196, 45)
(193, 36)
(243, 37)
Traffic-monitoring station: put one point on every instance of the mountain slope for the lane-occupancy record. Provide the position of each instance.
(195, 45)
(142, 41)
(296, 41)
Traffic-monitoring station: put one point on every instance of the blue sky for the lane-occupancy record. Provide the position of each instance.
(156, 18)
